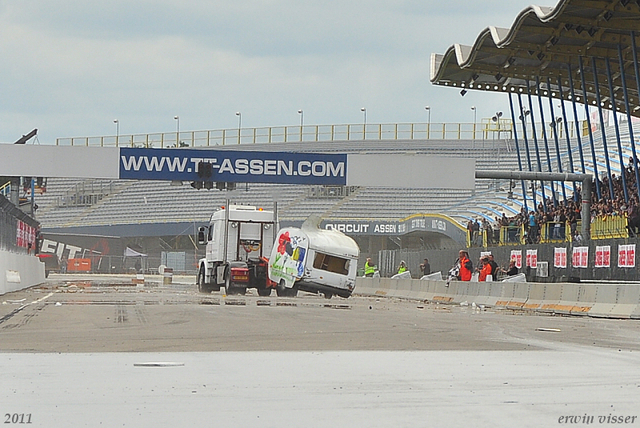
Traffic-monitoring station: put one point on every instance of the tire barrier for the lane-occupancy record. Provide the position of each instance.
(609, 300)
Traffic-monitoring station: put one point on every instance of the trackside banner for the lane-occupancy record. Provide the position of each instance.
(233, 166)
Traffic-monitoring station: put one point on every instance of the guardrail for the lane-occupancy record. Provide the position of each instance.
(484, 130)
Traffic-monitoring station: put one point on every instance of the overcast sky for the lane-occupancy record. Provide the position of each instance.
(70, 67)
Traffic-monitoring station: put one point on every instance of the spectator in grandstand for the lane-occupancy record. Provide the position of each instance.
(577, 238)
(486, 227)
(633, 216)
(425, 267)
(369, 268)
(533, 228)
(476, 231)
(496, 230)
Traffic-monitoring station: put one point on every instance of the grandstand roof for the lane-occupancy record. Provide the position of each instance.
(548, 43)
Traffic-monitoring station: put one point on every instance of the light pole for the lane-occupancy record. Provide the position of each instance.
(473, 108)
(428, 109)
(177, 119)
(117, 122)
(239, 124)
(364, 123)
(496, 119)
(301, 113)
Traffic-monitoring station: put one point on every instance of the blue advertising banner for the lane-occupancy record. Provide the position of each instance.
(233, 166)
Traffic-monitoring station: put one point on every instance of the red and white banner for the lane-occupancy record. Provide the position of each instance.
(517, 256)
(560, 258)
(25, 235)
(603, 256)
(580, 257)
(627, 255)
(532, 258)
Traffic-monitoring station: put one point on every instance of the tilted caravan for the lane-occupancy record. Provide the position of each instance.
(314, 260)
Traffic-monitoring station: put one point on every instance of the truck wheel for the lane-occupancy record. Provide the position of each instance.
(264, 292)
(202, 286)
(230, 289)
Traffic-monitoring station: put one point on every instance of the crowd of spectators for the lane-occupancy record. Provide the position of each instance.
(557, 214)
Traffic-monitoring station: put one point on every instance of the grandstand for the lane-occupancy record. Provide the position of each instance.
(83, 206)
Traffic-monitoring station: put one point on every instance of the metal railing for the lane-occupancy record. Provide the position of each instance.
(484, 130)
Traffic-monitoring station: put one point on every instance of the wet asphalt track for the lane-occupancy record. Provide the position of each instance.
(73, 353)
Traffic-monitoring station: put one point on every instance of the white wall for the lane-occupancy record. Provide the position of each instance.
(19, 271)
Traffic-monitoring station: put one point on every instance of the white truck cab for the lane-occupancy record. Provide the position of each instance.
(314, 260)
(238, 239)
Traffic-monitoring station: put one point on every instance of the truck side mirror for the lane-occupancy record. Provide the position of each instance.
(202, 235)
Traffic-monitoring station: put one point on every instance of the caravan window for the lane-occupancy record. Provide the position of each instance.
(331, 263)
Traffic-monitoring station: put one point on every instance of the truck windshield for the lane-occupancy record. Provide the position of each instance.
(331, 263)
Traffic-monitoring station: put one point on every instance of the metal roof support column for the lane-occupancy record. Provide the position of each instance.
(614, 108)
(602, 130)
(586, 209)
(586, 110)
(568, 138)
(625, 91)
(575, 118)
(515, 139)
(554, 128)
(535, 143)
(526, 145)
(546, 142)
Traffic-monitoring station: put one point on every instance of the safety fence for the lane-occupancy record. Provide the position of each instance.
(593, 300)
(486, 129)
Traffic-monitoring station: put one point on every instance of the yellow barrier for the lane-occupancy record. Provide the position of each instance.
(609, 226)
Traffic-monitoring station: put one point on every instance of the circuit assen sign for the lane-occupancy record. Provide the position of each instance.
(418, 223)
(234, 166)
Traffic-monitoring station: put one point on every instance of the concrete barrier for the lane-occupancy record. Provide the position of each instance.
(506, 295)
(586, 299)
(470, 294)
(484, 291)
(19, 271)
(496, 291)
(552, 296)
(442, 293)
(595, 300)
(419, 289)
(535, 297)
(520, 295)
(431, 289)
(570, 303)
(628, 298)
(605, 301)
